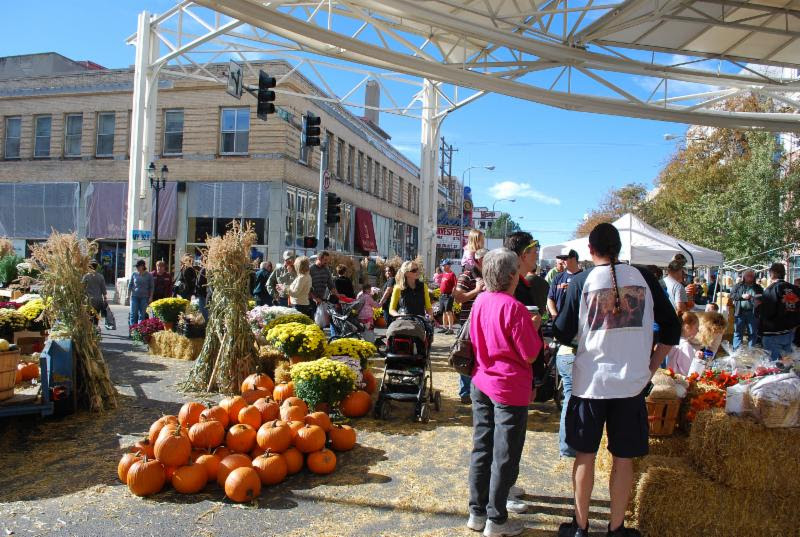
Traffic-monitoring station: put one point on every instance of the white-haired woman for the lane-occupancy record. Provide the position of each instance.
(410, 296)
(505, 340)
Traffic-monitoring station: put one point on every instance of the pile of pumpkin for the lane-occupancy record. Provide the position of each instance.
(242, 443)
(27, 371)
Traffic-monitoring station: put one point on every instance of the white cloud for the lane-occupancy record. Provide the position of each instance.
(514, 190)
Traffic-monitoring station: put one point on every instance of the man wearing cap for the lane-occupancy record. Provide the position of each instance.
(566, 354)
(446, 286)
(281, 278)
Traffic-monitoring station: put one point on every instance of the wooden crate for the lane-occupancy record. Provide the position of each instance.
(8, 373)
(663, 415)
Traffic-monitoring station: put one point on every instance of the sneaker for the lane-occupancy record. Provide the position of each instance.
(571, 529)
(622, 531)
(466, 400)
(516, 492)
(476, 522)
(516, 506)
(507, 528)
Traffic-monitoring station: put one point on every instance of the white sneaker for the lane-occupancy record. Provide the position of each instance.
(516, 492)
(476, 522)
(508, 528)
(516, 506)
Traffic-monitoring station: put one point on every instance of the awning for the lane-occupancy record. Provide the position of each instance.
(365, 233)
(107, 210)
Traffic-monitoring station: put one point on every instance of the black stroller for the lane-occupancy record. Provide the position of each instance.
(344, 319)
(407, 375)
(547, 381)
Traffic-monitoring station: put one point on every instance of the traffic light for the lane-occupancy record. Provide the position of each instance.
(266, 97)
(309, 242)
(311, 130)
(332, 215)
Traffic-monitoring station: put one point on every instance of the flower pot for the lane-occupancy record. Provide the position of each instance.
(169, 325)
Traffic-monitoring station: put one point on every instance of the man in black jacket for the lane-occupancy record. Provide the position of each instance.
(779, 313)
(743, 297)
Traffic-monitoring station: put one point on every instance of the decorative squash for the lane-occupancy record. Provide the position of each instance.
(145, 477)
(173, 448)
(233, 405)
(274, 436)
(243, 485)
(190, 413)
(241, 438)
(295, 426)
(370, 383)
(229, 464)
(258, 381)
(157, 425)
(251, 396)
(356, 404)
(293, 409)
(294, 460)
(216, 413)
(322, 462)
(343, 437)
(207, 434)
(144, 447)
(271, 468)
(309, 438)
(211, 465)
(125, 464)
(269, 408)
(319, 418)
(282, 391)
(190, 479)
(251, 416)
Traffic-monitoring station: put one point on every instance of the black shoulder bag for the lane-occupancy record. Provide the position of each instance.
(462, 356)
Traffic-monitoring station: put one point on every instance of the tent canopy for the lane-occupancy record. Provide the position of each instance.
(642, 244)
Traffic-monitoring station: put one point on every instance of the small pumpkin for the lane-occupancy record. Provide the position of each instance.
(282, 391)
(145, 477)
(196, 453)
(229, 464)
(309, 438)
(258, 381)
(321, 462)
(293, 408)
(145, 447)
(343, 437)
(274, 436)
(295, 426)
(172, 428)
(173, 448)
(159, 424)
(211, 465)
(294, 460)
(269, 408)
(271, 468)
(28, 371)
(251, 416)
(216, 413)
(190, 479)
(356, 404)
(125, 464)
(190, 413)
(319, 418)
(257, 451)
(233, 405)
(207, 434)
(243, 485)
(18, 376)
(251, 396)
(169, 471)
(222, 452)
(370, 382)
(241, 438)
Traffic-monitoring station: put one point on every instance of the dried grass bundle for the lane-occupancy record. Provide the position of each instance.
(229, 350)
(5, 247)
(174, 345)
(62, 261)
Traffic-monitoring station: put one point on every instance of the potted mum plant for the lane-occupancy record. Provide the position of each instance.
(323, 383)
(168, 310)
(142, 331)
(297, 341)
(355, 348)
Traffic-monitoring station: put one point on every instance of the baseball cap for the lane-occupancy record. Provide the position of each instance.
(445, 262)
(566, 253)
(288, 254)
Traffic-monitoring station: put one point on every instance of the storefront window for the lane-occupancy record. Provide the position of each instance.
(301, 216)
(213, 206)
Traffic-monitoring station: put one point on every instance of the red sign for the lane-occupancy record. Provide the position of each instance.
(365, 233)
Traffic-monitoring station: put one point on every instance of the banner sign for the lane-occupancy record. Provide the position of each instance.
(486, 215)
(447, 237)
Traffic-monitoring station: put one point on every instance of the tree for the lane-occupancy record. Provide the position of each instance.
(502, 227)
(617, 202)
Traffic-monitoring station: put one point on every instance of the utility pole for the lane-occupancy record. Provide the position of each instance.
(324, 182)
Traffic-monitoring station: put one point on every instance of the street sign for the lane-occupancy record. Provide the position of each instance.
(235, 80)
(142, 235)
(326, 180)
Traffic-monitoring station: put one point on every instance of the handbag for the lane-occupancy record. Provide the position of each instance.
(462, 356)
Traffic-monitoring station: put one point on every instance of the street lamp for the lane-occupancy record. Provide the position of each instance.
(510, 200)
(157, 183)
(461, 217)
(505, 234)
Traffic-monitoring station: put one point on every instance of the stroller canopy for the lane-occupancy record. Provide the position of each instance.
(407, 328)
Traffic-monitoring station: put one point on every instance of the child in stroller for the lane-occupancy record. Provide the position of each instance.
(344, 318)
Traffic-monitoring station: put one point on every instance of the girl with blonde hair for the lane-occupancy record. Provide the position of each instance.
(410, 296)
(475, 241)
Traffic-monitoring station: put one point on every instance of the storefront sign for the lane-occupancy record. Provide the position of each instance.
(142, 234)
(141, 251)
(486, 215)
(447, 237)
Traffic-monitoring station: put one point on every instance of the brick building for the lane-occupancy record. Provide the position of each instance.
(65, 162)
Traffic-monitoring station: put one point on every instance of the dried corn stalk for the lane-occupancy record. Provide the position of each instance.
(62, 261)
(229, 350)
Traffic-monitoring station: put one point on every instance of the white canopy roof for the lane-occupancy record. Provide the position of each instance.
(642, 244)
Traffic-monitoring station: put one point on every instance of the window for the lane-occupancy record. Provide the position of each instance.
(301, 216)
(400, 200)
(105, 134)
(235, 129)
(41, 147)
(410, 205)
(72, 135)
(13, 132)
(340, 160)
(173, 132)
(376, 184)
(385, 189)
(390, 189)
(368, 186)
(360, 171)
(329, 137)
(351, 160)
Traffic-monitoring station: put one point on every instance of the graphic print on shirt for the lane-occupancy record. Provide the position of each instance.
(600, 308)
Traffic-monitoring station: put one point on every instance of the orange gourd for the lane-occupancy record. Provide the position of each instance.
(251, 416)
(190, 413)
(319, 418)
(159, 424)
(321, 462)
(356, 404)
(222, 452)
(241, 438)
(144, 447)
(216, 413)
(211, 465)
(256, 452)
(28, 371)
(243, 485)
(173, 448)
(233, 405)
(145, 477)
(271, 468)
(343, 437)
(258, 381)
(207, 434)
(294, 460)
(274, 436)
(282, 391)
(229, 464)
(269, 408)
(190, 479)
(251, 396)
(370, 383)
(293, 409)
(309, 438)
(125, 464)
(295, 426)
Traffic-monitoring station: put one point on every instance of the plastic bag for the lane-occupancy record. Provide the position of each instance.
(776, 400)
(322, 318)
(736, 399)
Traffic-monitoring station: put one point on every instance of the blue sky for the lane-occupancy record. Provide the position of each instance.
(558, 164)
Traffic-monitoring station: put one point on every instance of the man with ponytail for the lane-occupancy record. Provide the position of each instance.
(608, 317)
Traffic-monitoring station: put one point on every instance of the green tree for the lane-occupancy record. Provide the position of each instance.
(617, 202)
(502, 226)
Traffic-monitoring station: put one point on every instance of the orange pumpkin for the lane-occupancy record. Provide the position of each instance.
(309, 438)
(321, 462)
(343, 437)
(243, 485)
(319, 418)
(196, 453)
(144, 447)
(370, 383)
(282, 391)
(274, 436)
(271, 468)
(145, 477)
(210, 463)
(222, 452)
(241, 438)
(169, 471)
(207, 434)
(157, 425)
(190, 413)
(356, 404)
(269, 408)
(294, 460)
(229, 464)
(125, 464)
(251, 396)
(295, 426)
(293, 409)
(251, 416)
(190, 479)
(28, 371)
(173, 448)
(257, 451)
(258, 381)
(233, 405)
(18, 376)
(172, 428)
(216, 413)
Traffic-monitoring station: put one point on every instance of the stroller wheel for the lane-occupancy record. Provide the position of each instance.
(424, 413)
(437, 401)
(385, 411)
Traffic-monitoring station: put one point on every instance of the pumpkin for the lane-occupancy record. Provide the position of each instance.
(210, 463)
(282, 391)
(28, 371)
(125, 464)
(343, 437)
(196, 453)
(173, 448)
(294, 460)
(322, 461)
(157, 425)
(271, 468)
(169, 471)
(190, 413)
(18, 376)
(293, 408)
(243, 485)
(319, 418)
(269, 408)
(274, 436)
(241, 438)
(251, 396)
(222, 452)
(172, 428)
(229, 464)
(258, 381)
(233, 405)
(295, 426)
(356, 404)
(190, 479)
(251, 416)
(257, 451)
(144, 447)
(207, 434)
(370, 383)
(215, 413)
(309, 438)
(145, 477)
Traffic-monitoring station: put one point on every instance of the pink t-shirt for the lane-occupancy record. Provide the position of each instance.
(503, 338)
(366, 313)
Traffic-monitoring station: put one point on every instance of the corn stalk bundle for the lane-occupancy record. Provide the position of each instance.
(229, 350)
(62, 262)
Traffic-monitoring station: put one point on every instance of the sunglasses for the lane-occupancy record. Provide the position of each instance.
(534, 244)
(414, 270)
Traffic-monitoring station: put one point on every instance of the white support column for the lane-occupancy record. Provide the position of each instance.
(428, 169)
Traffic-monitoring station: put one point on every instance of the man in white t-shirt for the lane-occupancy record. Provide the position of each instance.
(676, 292)
(610, 310)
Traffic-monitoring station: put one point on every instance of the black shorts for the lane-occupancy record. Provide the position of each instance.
(625, 420)
(446, 302)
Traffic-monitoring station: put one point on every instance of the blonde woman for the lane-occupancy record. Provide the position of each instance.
(410, 296)
(300, 287)
(475, 241)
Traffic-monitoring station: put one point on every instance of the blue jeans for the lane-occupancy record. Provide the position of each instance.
(745, 320)
(138, 309)
(778, 345)
(464, 385)
(564, 365)
(201, 305)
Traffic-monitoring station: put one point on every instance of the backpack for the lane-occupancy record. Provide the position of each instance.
(462, 356)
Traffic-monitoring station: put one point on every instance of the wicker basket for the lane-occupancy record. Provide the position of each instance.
(662, 415)
(8, 373)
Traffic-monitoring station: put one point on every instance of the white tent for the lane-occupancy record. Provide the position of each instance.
(642, 245)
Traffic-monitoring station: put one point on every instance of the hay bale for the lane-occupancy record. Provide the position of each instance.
(660, 446)
(745, 455)
(174, 345)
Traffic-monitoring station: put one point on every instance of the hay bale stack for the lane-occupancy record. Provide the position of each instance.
(745, 455)
(660, 446)
(173, 345)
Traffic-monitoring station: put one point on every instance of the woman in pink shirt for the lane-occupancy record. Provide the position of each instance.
(505, 340)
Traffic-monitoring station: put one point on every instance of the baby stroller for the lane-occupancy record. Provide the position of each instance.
(344, 319)
(407, 374)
